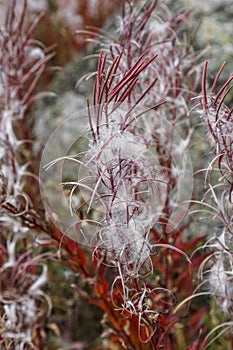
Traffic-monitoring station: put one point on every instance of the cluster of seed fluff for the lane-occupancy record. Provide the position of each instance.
(121, 179)
(220, 275)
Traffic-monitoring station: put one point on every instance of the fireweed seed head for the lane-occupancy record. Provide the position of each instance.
(218, 116)
(219, 120)
(126, 245)
(103, 178)
(220, 276)
(127, 177)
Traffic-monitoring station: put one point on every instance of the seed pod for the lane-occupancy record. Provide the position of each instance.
(3, 187)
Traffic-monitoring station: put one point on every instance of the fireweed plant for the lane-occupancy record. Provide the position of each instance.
(133, 176)
(216, 270)
(128, 176)
(24, 307)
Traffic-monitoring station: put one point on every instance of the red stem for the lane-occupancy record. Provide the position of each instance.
(204, 86)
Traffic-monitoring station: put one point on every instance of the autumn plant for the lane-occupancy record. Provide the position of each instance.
(217, 201)
(120, 210)
(22, 63)
(134, 176)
